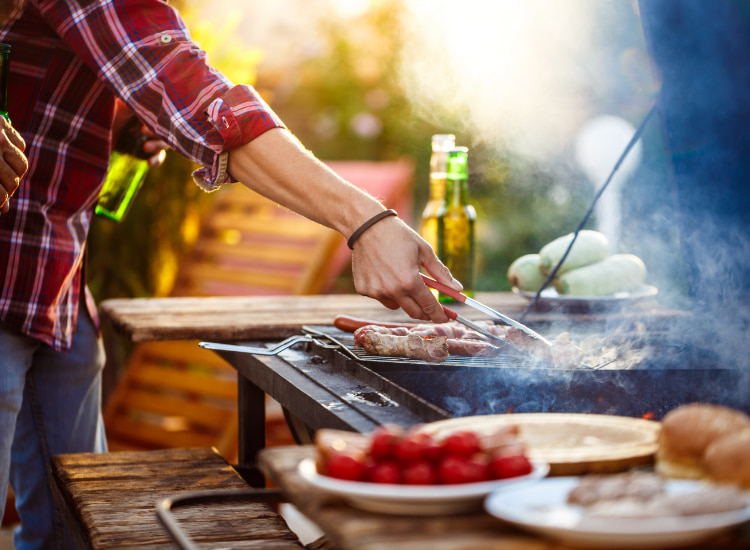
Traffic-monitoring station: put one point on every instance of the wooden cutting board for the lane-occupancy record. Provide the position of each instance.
(572, 443)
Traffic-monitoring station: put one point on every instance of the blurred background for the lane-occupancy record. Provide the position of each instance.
(544, 93)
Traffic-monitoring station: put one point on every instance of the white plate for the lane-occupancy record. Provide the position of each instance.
(550, 297)
(414, 499)
(541, 508)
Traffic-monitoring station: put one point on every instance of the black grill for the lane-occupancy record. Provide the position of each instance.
(652, 374)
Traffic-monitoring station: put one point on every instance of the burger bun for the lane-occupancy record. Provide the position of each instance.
(727, 460)
(686, 433)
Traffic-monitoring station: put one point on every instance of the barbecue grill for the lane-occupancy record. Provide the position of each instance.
(324, 381)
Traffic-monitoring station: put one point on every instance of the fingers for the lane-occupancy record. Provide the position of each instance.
(13, 163)
(4, 202)
(386, 264)
(13, 136)
(440, 272)
(156, 148)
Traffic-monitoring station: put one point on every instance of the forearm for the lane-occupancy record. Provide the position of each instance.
(277, 166)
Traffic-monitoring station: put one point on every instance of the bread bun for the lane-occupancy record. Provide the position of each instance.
(727, 460)
(687, 431)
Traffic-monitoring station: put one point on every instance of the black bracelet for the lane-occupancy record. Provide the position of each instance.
(367, 225)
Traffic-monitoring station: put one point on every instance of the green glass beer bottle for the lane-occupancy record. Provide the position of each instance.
(128, 166)
(441, 144)
(456, 220)
(4, 78)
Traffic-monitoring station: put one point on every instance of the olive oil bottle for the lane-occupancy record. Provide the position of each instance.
(456, 220)
(441, 144)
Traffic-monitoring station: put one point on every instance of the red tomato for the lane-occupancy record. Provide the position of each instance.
(434, 451)
(504, 466)
(462, 443)
(342, 465)
(421, 472)
(383, 441)
(460, 469)
(387, 471)
(413, 447)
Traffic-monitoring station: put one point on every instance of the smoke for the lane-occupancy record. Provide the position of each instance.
(519, 74)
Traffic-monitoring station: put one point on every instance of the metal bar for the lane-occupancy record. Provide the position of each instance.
(251, 411)
(164, 507)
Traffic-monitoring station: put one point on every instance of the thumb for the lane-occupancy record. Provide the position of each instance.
(438, 271)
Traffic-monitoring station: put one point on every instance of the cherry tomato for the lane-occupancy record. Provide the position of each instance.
(387, 471)
(434, 451)
(421, 472)
(413, 446)
(504, 466)
(462, 443)
(383, 441)
(342, 465)
(461, 469)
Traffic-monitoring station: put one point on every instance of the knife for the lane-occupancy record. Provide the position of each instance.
(479, 306)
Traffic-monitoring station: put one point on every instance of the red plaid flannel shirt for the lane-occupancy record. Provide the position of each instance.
(69, 59)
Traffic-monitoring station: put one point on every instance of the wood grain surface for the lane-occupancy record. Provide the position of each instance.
(272, 317)
(353, 529)
(109, 501)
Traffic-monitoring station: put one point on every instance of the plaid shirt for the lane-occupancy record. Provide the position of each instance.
(69, 59)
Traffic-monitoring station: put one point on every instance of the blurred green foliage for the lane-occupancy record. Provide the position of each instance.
(347, 103)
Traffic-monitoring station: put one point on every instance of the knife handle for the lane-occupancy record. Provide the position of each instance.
(448, 291)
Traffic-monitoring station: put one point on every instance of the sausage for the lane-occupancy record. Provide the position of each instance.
(350, 324)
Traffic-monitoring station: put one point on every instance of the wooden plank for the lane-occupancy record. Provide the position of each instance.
(175, 380)
(108, 500)
(272, 317)
(187, 352)
(156, 437)
(195, 412)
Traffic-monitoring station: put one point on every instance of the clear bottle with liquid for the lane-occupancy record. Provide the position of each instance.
(456, 220)
(128, 166)
(441, 144)
(4, 79)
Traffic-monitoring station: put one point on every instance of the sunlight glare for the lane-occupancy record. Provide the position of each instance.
(510, 65)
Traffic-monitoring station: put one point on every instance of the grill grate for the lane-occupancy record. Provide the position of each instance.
(345, 342)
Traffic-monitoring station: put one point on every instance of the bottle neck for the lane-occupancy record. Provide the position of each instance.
(456, 191)
(437, 186)
(4, 81)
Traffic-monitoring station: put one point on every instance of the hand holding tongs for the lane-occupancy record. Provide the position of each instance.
(461, 297)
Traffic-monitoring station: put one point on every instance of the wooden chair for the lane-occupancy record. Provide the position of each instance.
(175, 394)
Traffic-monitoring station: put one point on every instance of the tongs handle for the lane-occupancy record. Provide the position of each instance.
(440, 287)
(463, 298)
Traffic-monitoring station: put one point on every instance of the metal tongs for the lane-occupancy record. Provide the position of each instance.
(479, 306)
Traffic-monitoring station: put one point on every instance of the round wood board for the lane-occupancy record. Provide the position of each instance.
(571, 443)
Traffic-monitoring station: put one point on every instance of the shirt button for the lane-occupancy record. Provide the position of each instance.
(165, 38)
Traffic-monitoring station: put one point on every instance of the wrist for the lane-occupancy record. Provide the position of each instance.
(367, 225)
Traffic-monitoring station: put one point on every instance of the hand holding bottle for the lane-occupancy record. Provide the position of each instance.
(13, 163)
(143, 142)
(136, 150)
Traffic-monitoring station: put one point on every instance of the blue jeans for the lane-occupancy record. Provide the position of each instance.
(50, 403)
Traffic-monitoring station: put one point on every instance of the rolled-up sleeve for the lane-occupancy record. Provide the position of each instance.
(144, 53)
(240, 115)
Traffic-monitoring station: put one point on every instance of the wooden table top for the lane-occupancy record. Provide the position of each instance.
(350, 528)
(271, 317)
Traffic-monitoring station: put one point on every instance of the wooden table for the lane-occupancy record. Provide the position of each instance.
(275, 317)
(352, 529)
